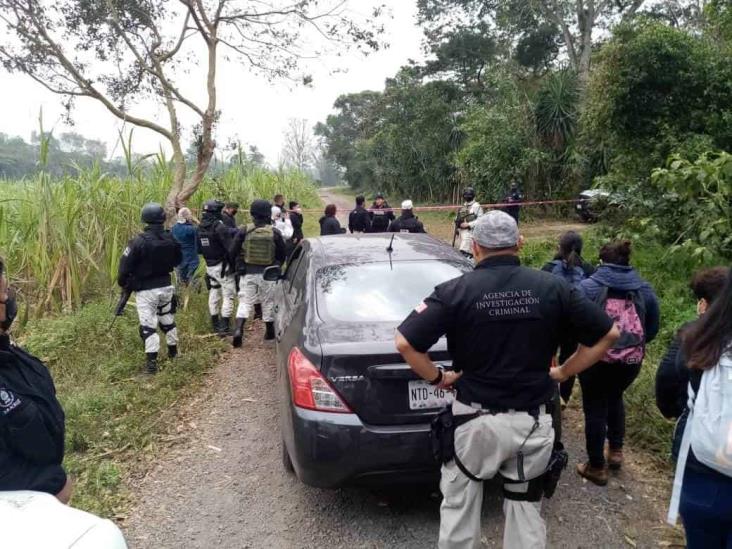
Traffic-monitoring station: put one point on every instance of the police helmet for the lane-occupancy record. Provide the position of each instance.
(213, 206)
(261, 209)
(469, 193)
(152, 213)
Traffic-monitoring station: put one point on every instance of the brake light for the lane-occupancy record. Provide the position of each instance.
(311, 390)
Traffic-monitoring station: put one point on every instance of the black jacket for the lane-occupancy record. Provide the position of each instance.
(238, 242)
(329, 225)
(31, 424)
(672, 396)
(297, 220)
(359, 220)
(214, 240)
(149, 259)
(228, 220)
(407, 223)
(381, 217)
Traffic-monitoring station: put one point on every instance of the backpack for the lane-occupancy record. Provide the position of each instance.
(259, 246)
(573, 275)
(710, 416)
(628, 311)
(708, 430)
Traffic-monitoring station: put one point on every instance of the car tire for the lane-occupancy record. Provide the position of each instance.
(286, 461)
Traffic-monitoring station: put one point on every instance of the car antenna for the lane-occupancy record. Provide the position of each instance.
(389, 250)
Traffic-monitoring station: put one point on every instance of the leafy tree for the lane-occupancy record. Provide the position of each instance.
(122, 52)
(657, 90)
(576, 20)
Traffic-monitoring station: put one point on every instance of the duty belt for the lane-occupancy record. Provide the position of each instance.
(534, 411)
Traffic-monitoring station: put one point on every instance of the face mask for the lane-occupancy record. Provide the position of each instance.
(10, 307)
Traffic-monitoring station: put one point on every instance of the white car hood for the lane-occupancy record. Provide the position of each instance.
(38, 520)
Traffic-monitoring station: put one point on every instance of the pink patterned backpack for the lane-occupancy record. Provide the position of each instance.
(628, 311)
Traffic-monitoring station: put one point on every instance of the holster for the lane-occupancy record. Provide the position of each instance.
(174, 304)
(557, 463)
(442, 433)
(207, 280)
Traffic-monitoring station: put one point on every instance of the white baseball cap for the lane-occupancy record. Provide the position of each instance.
(407, 205)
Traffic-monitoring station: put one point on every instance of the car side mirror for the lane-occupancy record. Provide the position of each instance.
(272, 274)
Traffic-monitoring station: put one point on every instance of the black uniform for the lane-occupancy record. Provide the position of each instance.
(31, 424)
(228, 220)
(297, 221)
(359, 220)
(514, 197)
(503, 324)
(214, 240)
(149, 259)
(381, 217)
(407, 223)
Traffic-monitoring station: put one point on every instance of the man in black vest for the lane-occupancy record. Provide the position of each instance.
(31, 418)
(407, 222)
(214, 240)
(503, 323)
(381, 215)
(145, 268)
(359, 220)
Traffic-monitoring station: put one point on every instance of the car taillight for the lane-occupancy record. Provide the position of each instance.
(310, 389)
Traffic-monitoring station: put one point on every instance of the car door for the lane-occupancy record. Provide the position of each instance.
(287, 294)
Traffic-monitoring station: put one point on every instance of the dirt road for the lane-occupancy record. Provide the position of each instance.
(223, 486)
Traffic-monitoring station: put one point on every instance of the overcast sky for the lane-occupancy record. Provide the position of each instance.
(254, 110)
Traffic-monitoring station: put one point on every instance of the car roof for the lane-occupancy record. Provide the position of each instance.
(370, 248)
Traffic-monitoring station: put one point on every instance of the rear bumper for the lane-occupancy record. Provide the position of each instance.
(329, 450)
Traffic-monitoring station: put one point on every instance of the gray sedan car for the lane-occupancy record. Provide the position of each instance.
(351, 410)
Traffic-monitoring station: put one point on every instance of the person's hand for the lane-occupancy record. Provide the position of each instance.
(558, 374)
(448, 379)
(464, 225)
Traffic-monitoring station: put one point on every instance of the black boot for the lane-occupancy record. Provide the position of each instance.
(257, 311)
(238, 332)
(151, 365)
(225, 327)
(215, 323)
(172, 351)
(269, 331)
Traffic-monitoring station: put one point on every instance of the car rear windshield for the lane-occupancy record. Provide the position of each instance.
(379, 292)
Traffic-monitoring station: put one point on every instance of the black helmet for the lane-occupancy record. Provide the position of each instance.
(152, 213)
(469, 193)
(261, 209)
(213, 206)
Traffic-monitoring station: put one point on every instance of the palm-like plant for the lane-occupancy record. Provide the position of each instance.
(556, 109)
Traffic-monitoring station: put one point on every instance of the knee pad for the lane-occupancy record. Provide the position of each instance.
(534, 490)
(167, 327)
(146, 331)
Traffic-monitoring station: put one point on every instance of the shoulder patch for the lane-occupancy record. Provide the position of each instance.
(8, 401)
(126, 252)
(422, 307)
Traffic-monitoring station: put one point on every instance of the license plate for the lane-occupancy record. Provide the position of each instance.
(423, 396)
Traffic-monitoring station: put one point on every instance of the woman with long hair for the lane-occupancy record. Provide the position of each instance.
(706, 494)
(329, 223)
(630, 300)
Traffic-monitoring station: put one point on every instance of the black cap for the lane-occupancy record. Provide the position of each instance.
(152, 213)
(469, 193)
(379, 195)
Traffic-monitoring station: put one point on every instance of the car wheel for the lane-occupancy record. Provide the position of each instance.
(286, 461)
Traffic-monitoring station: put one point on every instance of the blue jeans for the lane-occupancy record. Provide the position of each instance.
(706, 509)
(186, 270)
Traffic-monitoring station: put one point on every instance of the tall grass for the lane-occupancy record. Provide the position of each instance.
(63, 238)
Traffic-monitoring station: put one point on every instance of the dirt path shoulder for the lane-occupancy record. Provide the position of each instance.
(224, 486)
